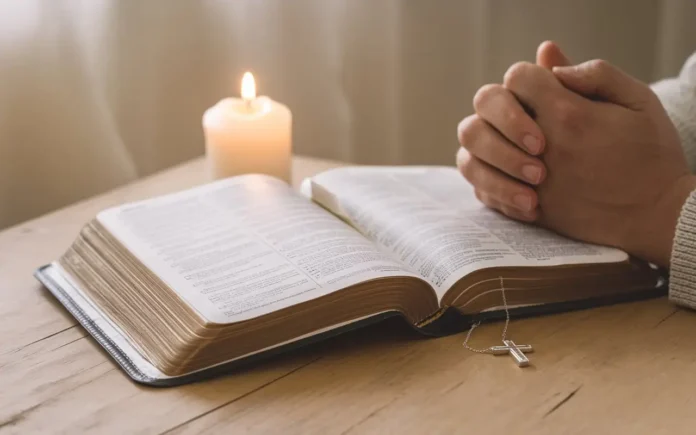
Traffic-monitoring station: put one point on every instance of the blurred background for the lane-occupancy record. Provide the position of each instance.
(97, 93)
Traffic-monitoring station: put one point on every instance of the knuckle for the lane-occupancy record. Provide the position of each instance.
(471, 171)
(485, 94)
(599, 65)
(462, 157)
(468, 171)
(568, 114)
(468, 130)
(516, 73)
(512, 117)
(464, 163)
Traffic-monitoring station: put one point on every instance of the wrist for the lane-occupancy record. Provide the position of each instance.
(651, 233)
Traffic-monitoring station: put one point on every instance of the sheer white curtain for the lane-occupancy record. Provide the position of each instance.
(95, 93)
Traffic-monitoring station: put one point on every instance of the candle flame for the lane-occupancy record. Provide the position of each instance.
(248, 87)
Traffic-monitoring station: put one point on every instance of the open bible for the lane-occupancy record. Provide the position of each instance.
(185, 285)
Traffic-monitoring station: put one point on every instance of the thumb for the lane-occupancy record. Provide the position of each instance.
(600, 79)
(549, 55)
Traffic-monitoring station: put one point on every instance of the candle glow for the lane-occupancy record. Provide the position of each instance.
(248, 87)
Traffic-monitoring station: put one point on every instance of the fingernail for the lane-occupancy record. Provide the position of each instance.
(532, 144)
(531, 173)
(524, 202)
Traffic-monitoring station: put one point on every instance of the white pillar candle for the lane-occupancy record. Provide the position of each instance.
(248, 135)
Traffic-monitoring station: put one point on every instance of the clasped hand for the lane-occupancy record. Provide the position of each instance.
(585, 150)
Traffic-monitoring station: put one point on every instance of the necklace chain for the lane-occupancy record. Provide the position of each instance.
(476, 324)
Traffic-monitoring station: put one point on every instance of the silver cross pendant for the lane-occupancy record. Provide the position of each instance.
(516, 350)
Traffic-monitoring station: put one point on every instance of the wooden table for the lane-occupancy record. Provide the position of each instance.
(628, 368)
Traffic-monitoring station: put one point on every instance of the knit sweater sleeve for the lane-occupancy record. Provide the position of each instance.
(678, 96)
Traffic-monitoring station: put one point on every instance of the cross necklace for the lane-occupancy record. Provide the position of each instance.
(517, 351)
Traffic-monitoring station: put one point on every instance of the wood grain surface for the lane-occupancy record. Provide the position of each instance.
(627, 368)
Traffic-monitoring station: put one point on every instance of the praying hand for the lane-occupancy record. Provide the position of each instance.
(592, 153)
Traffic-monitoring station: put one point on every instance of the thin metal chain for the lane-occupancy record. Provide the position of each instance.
(475, 325)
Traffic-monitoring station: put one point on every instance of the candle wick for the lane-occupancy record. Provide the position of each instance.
(247, 105)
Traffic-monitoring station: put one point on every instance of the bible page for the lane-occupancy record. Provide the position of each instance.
(430, 219)
(246, 246)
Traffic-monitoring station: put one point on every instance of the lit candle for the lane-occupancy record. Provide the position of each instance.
(248, 135)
